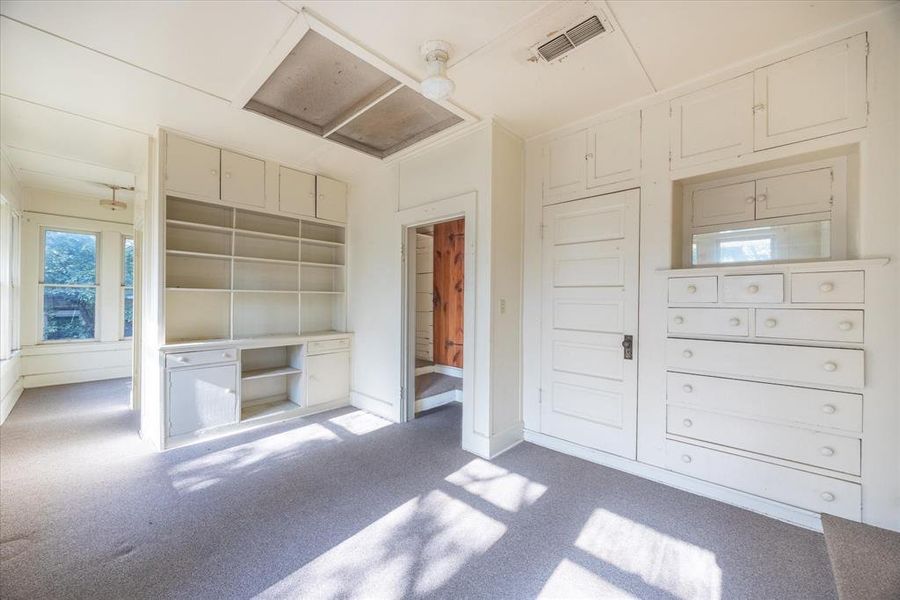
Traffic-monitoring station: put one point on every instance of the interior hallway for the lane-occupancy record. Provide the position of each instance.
(345, 504)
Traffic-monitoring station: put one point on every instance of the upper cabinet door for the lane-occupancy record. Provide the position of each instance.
(331, 199)
(794, 194)
(713, 123)
(192, 168)
(243, 179)
(614, 151)
(565, 167)
(812, 95)
(724, 204)
(296, 192)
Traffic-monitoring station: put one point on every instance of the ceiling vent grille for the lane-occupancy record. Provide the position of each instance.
(571, 39)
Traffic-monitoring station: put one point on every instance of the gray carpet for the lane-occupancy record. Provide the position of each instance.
(345, 505)
(432, 384)
(865, 559)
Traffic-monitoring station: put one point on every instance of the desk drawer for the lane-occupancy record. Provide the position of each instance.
(793, 364)
(201, 357)
(828, 286)
(783, 484)
(804, 324)
(754, 288)
(709, 321)
(805, 446)
(324, 346)
(693, 289)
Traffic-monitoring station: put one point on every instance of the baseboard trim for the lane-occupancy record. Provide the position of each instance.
(507, 439)
(80, 376)
(770, 508)
(438, 400)
(9, 400)
(448, 370)
(425, 370)
(376, 406)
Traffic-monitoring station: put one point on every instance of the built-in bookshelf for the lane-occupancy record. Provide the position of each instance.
(271, 381)
(234, 274)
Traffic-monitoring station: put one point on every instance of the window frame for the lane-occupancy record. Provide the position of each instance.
(123, 288)
(42, 237)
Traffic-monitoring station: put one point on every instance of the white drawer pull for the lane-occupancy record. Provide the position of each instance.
(688, 388)
(212, 171)
(827, 496)
(685, 458)
(227, 174)
(678, 320)
(687, 354)
(752, 289)
(845, 325)
(771, 323)
(830, 366)
(226, 355)
(750, 199)
(829, 409)
(826, 451)
(180, 359)
(692, 289)
(687, 422)
(734, 321)
(229, 392)
(826, 287)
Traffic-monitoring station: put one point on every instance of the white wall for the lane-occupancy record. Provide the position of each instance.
(12, 199)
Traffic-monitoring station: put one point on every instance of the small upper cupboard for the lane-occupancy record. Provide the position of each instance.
(331, 199)
(296, 192)
(243, 179)
(192, 168)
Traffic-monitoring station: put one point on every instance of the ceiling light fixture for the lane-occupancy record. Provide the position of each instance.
(114, 204)
(436, 86)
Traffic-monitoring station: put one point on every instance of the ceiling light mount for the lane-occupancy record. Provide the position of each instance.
(113, 203)
(436, 86)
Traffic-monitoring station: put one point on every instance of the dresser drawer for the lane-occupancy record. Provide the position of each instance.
(709, 321)
(323, 346)
(693, 289)
(782, 484)
(202, 357)
(830, 286)
(794, 364)
(767, 401)
(805, 446)
(754, 288)
(805, 324)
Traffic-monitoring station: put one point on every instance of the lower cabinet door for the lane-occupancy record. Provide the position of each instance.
(328, 377)
(202, 398)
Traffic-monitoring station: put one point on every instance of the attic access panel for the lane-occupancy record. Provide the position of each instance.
(324, 89)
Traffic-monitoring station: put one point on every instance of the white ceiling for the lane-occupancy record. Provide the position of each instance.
(82, 84)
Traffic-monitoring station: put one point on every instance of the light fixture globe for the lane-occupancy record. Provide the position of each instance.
(436, 85)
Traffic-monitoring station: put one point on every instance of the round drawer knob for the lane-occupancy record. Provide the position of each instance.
(771, 323)
(181, 359)
(827, 496)
(829, 409)
(687, 388)
(692, 289)
(685, 458)
(845, 325)
(687, 354)
(826, 287)
(830, 366)
(826, 451)
(227, 174)
(734, 321)
(750, 200)
(678, 320)
(752, 289)
(687, 422)
(230, 392)
(226, 355)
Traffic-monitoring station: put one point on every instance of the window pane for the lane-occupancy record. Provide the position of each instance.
(69, 313)
(128, 258)
(797, 241)
(129, 312)
(70, 257)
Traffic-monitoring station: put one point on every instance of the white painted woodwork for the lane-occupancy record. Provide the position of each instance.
(805, 446)
(693, 289)
(192, 168)
(202, 398)
(783, 484)
(725, 204)
(709, 321)
(837, 367)
(333, 345)
(203, 357)
(243, 180)
(794, 194)
(790, 405)
(828, 286)
(328, 377)
(753, 288)
(331, 199)
(712, 123)
(590, 285)
(811, 95)
(296, 192)
(565, 167)
(814, 325)
(614, 151)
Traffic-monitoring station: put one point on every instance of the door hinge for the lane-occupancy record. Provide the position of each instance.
(402, 394)
(867, 47)
(868, 108)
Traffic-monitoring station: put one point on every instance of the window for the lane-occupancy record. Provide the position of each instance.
(69, 285)
(796, 241)
(127, 293)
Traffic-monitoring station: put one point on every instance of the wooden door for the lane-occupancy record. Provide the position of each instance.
(192, 168)
(449, 273)
(723, 204)
(614, 151)
(331, 199)
(243, 179)
(328, 377)
(565, 167)
(794, 194)
(202, 398)
(590, 300)
(296, 192)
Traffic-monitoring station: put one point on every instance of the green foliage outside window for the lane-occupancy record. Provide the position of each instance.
(70, 259)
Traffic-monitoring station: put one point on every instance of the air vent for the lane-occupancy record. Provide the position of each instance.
(572, 38)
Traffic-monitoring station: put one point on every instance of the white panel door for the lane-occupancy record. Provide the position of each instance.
(243, 179)
(614, 151)
(794, 194)
(590, 297)
(202, 398)
(713, 123)
(296, 192)
(815, 94)
(565, 167)
(328, 377)
(724, 204)
(331, 199)
(192, 168)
